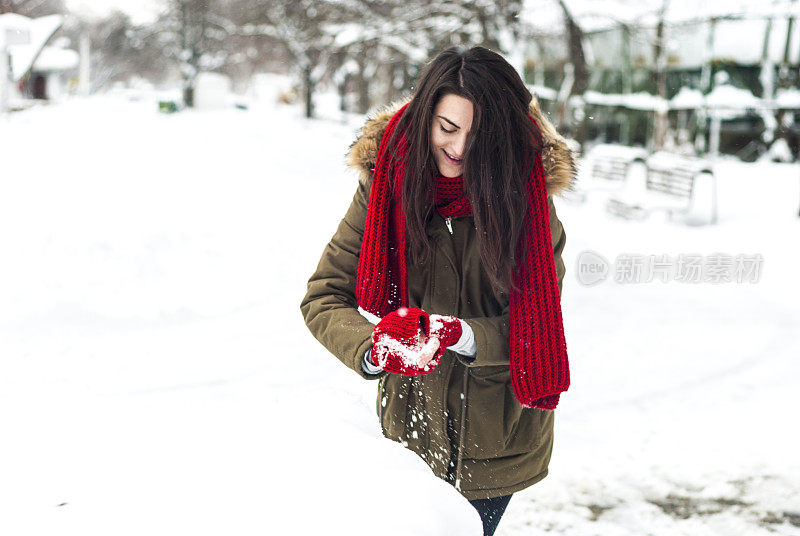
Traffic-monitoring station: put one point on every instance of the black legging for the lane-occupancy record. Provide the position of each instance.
(491, 510)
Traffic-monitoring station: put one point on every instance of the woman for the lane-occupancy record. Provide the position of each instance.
(469, 347)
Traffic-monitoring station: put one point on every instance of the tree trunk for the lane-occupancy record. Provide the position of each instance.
(363, 85)
(190, 79)
(705, 87)
(343, 93)
(627, 79)
(308, 86)
(705, 72)
(660, 54)
(767, 75)
(789, 29)
(579, 69)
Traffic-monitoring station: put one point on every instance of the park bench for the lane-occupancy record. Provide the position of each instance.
(673, 184)
(608, 169)
(611, 168)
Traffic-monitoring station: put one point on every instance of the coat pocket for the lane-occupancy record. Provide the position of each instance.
(497, 425)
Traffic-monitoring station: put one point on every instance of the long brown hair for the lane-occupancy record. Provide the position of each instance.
(498, 157)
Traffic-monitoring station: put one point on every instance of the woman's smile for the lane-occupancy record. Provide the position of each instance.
(454, 161)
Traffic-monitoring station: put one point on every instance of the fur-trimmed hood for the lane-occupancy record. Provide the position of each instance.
(559, 164)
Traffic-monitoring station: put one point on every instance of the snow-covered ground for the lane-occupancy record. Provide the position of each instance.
(156, 376)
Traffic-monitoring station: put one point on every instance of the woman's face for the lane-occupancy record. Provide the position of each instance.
(452, 119)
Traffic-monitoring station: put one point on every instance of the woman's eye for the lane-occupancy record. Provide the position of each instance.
(445, 130)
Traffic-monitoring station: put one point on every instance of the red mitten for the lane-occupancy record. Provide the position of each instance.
(399, 339)
(447, 329)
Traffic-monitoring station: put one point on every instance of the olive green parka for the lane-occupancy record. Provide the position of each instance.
(463, 418)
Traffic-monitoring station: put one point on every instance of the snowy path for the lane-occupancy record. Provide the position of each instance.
(156, 376)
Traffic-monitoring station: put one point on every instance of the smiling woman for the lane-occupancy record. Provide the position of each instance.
(452, 240)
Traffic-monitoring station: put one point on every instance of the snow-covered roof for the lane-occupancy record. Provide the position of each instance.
(13, 21)
(687, 99)
(25, 52)
(723, 97)
(788, 98)
(634, 101)
(727, 96)
(56, 59)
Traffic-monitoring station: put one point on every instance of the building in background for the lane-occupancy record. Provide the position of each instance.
(754, 55)
(36, 64)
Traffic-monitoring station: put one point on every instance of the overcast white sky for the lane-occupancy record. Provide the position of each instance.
(139, 10)
(538, 12)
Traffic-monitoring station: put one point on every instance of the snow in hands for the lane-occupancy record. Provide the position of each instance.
(411, 355)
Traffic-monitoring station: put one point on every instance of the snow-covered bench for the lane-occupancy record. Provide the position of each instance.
(612, 163)
(609, 169)
(671, 183)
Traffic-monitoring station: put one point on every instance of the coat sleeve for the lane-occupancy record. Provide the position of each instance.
(329, 307)
(491, 333)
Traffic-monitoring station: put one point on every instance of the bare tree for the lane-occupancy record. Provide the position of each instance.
(580, 71)
(120, 50)
(32, 8)
(388, 40)
(376, 45)
(193, 33)
(298, 28)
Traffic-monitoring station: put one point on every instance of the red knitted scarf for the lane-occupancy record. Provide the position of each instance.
(537, 347)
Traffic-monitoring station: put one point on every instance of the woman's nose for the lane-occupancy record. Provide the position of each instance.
(458, 146)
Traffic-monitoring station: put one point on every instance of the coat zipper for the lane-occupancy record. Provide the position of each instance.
(449, 222)
(463, 424)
